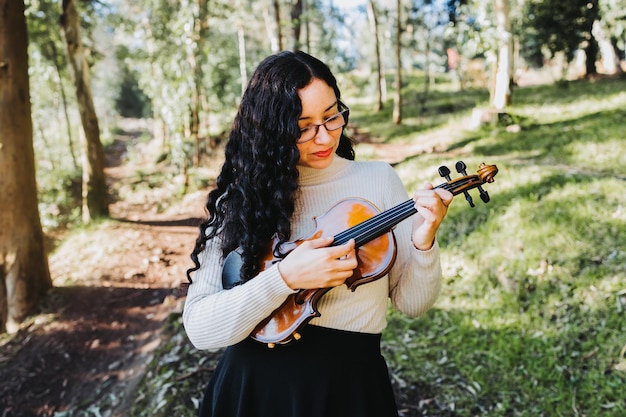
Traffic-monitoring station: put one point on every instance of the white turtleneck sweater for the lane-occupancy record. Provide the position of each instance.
(215, 318)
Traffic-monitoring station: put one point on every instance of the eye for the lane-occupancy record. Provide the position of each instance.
(333, 117)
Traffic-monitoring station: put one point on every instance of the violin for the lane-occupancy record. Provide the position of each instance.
(352, 218)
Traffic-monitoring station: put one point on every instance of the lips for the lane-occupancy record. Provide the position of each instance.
(324, 154)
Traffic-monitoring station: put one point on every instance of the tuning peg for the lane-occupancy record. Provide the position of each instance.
(484, 195)
(461, 168)
(444, 172)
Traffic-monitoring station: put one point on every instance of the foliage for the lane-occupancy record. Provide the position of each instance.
(131, 101)
(472, 28)
(177, 376)
(558, 26)
(531, 316)
(148, 57)
(614, 18)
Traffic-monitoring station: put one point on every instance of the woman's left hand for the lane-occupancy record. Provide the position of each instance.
(432, 205)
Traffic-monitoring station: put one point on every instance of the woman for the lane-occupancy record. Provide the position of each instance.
(286, 161)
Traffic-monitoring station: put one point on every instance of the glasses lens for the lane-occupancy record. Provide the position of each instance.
(332, 123)
(336, 121)
(307, 134)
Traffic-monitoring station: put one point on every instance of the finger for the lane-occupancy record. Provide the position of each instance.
(445, 195)
(350, 263)
(427, 213)
(321, 242)
(431, 199)
(428, 202)
(344, 268)
(342, 251)
(425, 193)
(350, 246)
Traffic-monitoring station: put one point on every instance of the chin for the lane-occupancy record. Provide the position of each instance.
(318, 163)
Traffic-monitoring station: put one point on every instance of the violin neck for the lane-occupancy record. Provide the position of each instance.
(376, 226)
(381, 223)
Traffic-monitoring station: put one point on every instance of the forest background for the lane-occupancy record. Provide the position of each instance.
(113, 115)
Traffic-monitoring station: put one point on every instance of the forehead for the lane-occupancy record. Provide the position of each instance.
(316, 98)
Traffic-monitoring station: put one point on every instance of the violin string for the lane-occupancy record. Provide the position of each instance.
(376, 225)
(380, 223)
(361, 230)
(384, 222)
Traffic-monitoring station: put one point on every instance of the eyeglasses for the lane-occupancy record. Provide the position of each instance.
(335, 122)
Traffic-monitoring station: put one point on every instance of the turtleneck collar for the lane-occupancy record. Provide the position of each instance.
(314, 176)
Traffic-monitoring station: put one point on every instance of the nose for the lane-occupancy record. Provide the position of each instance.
(323, 135)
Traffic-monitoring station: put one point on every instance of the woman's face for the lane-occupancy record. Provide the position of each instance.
(318, 104)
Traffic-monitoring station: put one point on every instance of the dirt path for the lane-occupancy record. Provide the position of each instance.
(114, 284)
(432, 141)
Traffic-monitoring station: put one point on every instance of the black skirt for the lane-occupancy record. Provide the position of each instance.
(327, 373)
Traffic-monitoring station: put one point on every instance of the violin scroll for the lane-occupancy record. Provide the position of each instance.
(487, 172)
(467, 182)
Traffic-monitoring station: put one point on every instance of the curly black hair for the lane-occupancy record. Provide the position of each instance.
(256, 188)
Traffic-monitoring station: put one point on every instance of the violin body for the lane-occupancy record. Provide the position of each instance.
(375, 258)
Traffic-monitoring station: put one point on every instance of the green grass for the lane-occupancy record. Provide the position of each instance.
(531, 320)
(532, 316)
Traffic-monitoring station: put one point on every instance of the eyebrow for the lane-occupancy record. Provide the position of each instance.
(327, 108)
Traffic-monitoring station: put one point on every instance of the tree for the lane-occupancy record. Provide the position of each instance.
(563, 27)
(196, 59)
(24, 273)
(501, 96)
(590, 14)
(95, 202)
(44, 37)
(279, 25)
(397, 104)
(297, 8)
(613, 29)
(425, 24)
(380, 79)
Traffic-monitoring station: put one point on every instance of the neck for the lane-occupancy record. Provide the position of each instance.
(312, 176)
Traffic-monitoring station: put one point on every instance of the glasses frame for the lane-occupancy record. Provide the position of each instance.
(344, 111)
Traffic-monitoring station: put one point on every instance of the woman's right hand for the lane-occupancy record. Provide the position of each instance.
(314, 264)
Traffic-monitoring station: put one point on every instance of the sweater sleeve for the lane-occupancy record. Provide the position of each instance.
(214, 317)
(415, 278)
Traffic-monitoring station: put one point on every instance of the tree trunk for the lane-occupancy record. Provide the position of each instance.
(296, 22)
(24, 273)
(591, 53)
(95, 202)
(243, 64)
(57, 67)
(373, 18)
(610, 60)
(279, 26)
(269, 28)
(427, 76)
(196, 60)
(397, 106)
(592, 49)
(307, 27)
(504, 70)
